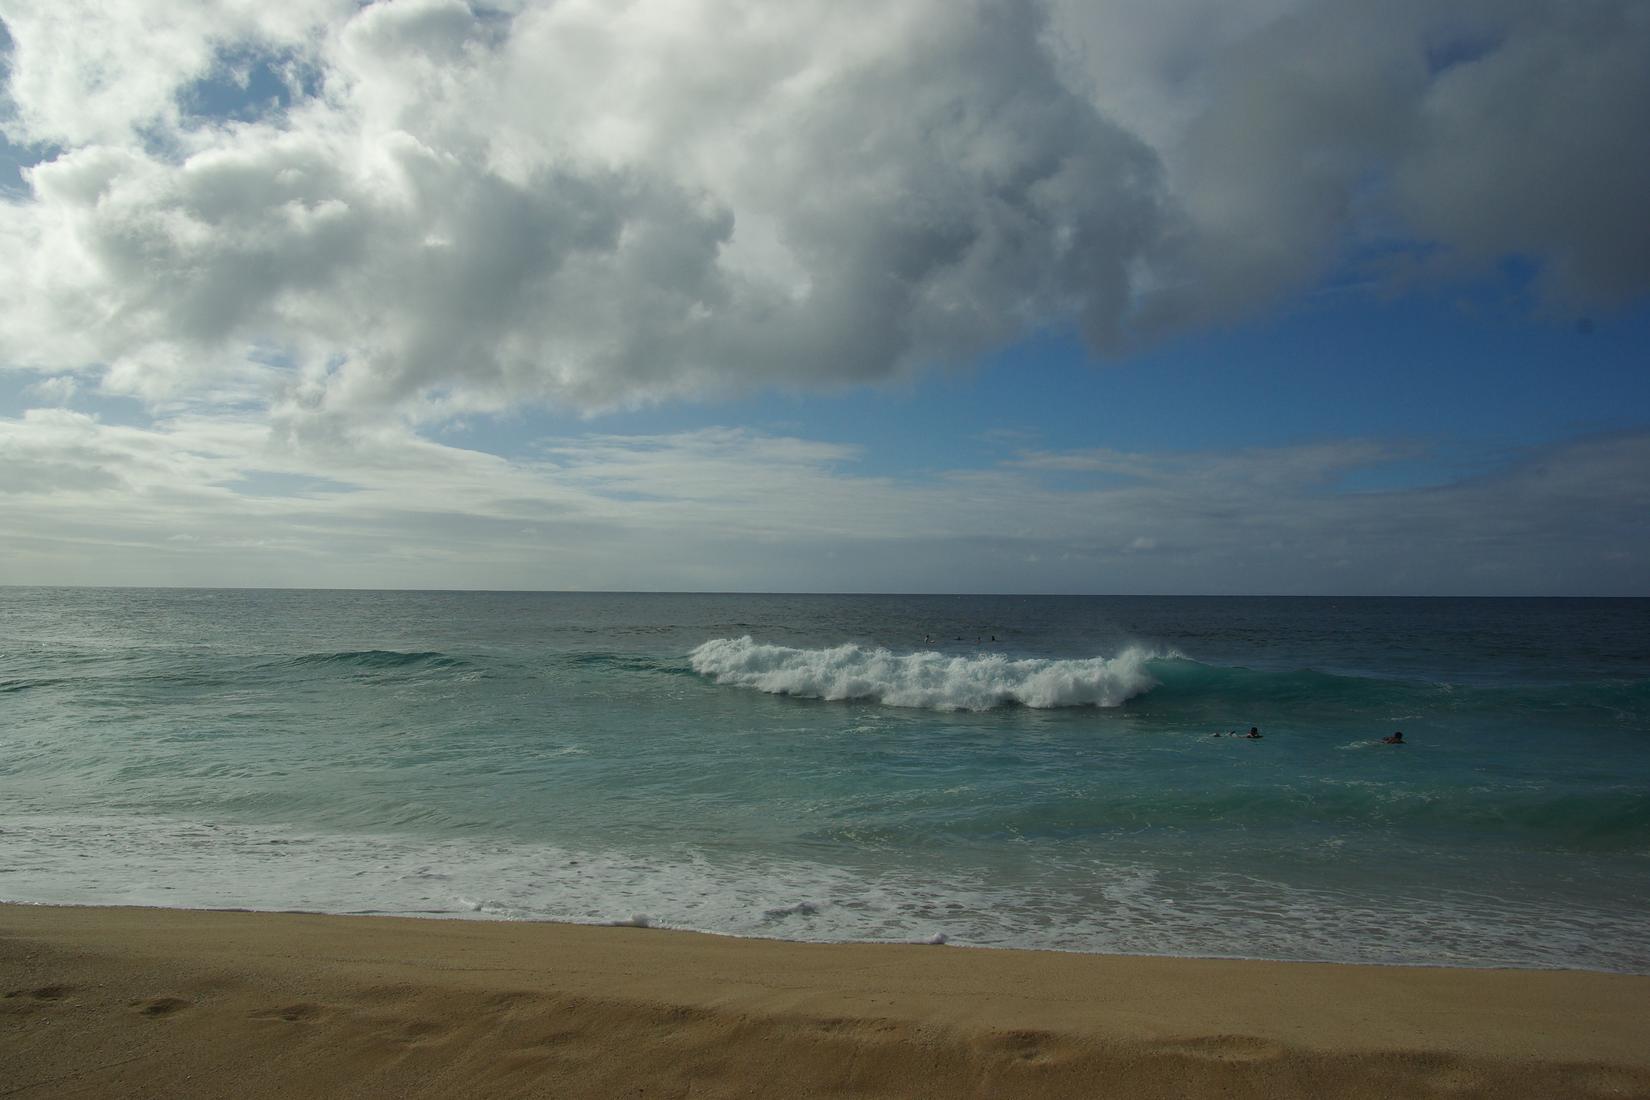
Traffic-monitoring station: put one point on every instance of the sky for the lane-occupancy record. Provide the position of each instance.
(1067, 296)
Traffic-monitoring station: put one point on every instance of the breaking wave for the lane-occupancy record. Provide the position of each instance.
(934, 681)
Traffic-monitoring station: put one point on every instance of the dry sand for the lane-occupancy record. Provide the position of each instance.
(144, 1002)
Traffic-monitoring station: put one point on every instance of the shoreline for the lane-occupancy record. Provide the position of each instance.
(482, 918)
(105, 1001)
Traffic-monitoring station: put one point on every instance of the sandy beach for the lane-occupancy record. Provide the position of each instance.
(146, 1002)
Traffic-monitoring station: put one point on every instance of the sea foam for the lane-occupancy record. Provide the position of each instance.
(935, 681)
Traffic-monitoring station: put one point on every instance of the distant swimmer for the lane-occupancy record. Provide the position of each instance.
(1395, 739)
(1254, 733)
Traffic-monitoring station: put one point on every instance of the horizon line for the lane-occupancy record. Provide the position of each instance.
(821, 592)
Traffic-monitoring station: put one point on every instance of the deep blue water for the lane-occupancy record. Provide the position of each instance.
(1029, 771)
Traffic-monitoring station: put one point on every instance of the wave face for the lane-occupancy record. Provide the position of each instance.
(928, 680)
(380, 659)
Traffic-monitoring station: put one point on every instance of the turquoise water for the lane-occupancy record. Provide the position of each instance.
(1012, 771)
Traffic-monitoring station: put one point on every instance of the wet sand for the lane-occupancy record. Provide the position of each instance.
(144, 1002)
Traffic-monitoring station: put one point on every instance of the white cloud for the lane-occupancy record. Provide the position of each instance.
(586, 204)
(87, 72)
(58, 389)
(598, 205)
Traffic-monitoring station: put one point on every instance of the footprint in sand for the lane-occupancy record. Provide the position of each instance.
(292, 1014)
(1025, 1046)
(44, 993)
(22, 1002)
(159, 1006)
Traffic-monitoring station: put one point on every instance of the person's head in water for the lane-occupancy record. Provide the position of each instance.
(1396, 739)
(1254, 731)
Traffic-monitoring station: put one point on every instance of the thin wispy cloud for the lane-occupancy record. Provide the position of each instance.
(204, 501)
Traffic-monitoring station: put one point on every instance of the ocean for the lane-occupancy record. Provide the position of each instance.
(1004, 771)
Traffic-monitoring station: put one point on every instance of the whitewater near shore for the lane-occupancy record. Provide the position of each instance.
(150, 1003)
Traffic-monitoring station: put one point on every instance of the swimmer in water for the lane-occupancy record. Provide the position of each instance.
(1395, 739)
(1254, 733)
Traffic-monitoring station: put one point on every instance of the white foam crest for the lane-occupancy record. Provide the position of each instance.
(935, 681)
